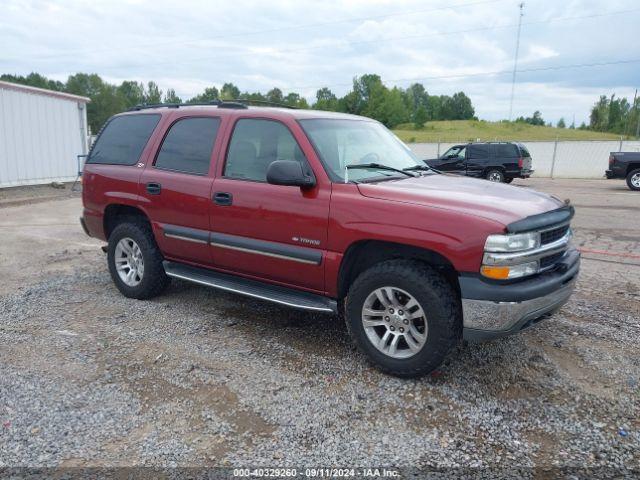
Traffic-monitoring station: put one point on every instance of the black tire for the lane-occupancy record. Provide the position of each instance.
(154, 279)
(431, 290)
(508, 180)
(494, 175)
(633, 176)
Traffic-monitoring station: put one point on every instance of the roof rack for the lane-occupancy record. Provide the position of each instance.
(265, 102)
(239, 103)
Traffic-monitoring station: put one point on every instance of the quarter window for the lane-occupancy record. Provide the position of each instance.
(255, 144)
(506, 150)
(188, 145)
(122, 139)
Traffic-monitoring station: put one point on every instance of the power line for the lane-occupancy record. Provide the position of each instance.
(482, 74)
(515, 61)
(275, 30)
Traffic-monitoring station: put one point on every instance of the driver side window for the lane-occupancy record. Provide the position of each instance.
(255, 144)
(455, 152)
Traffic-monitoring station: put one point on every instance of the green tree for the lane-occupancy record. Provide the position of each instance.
(229, 92)
(420, 117)
(275, 95)
(132, 93)
(209, 94)
(153, 94)
(171, 97)
(561, 123)
(461, 107)
(326, 100)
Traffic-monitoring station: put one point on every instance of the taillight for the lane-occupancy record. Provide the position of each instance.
(611, 159)
(520, 162)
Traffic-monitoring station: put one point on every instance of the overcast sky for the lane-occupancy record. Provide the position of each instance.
(301, 46)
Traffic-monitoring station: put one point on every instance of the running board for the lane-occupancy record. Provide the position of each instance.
(251, 288)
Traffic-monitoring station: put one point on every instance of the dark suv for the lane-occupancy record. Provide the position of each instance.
(495, 161)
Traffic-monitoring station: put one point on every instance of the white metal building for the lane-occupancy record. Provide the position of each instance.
(41, 134)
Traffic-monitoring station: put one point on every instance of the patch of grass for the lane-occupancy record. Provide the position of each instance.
(472, 130)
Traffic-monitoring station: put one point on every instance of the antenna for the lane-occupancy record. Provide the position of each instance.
(515, 61)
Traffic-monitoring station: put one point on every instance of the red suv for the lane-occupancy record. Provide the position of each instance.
(325, 212)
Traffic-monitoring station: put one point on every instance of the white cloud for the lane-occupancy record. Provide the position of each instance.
(286, 43)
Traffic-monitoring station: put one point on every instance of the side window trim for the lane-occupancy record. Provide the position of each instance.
(168, 129)
(232, 130)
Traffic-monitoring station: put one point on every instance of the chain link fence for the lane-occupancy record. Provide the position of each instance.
(555, 159)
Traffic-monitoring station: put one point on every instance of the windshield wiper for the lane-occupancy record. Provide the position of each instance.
(421, 168)
(379, 166)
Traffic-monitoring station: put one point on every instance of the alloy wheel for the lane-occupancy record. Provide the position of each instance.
(129, 262)
(394, 322)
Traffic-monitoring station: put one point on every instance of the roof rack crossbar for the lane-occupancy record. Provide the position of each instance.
(175, 105)
(264, 102)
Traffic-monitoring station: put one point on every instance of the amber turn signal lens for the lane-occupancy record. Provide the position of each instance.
(497, 273)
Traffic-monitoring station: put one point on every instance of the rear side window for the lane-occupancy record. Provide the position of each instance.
(478, 151)
(123, 139)
(255, 144)
(188, 145)
(506, 150)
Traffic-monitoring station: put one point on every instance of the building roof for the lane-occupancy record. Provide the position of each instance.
(43, 91)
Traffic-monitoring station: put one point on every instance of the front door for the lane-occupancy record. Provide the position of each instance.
(177, 189)
(272, 232)
(453, 160)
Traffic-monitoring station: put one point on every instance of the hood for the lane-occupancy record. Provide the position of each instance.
(495, 201)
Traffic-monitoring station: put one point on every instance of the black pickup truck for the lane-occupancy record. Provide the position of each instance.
(495, 161)
(625, 165)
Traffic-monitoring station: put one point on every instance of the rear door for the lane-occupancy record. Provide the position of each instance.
(272, 232)
(177, 186)
(478, 159)
(507, 155)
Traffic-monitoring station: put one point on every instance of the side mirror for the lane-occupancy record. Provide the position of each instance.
(289, 172)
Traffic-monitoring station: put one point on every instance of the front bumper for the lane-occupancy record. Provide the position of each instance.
(492, 310)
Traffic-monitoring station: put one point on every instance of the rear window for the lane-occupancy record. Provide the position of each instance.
(507, 150)
(188, 145)
(478, 151)
(524, 152)
(123, 139)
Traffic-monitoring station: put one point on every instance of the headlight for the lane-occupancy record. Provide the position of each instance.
(500, 272)
(512, 243)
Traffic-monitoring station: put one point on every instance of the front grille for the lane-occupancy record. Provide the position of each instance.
(551, 236)
(550, 260)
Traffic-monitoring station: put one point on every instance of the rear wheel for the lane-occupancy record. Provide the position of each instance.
(403, 316)
(633, 179)
(495, 176)
(135, 261)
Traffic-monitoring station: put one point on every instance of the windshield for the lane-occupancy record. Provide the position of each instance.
(342, 143)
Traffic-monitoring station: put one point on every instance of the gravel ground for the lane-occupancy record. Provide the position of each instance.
(201, 378)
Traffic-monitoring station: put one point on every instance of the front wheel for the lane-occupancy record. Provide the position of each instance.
(403, 316)
(495, 176)
(633, 179)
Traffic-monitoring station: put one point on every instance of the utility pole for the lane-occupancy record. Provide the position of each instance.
(637, 114)
(515, 61)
